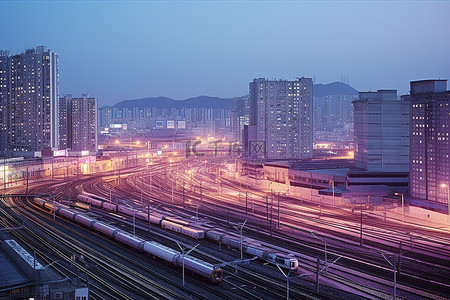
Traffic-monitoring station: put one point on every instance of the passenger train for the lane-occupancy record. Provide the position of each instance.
(172, 223)
(212, 273)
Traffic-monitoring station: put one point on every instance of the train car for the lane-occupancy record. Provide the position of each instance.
(193, 233)
(203, 268)
(256, 250)
(109, 206)
(129, 240)
(125, 210)
(231, 241)
(161, 251)
(89, 200)
(49, 206)
(39, 201)
(83, 205)
(176, 220)
(66, 213)
(284, 260)
(170, 255)
(94, 196)
(171, 226)
(106, 229)
(214, 235)
(84, 220)
(214, 274)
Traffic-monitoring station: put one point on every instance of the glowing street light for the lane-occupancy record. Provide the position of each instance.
(117, 142)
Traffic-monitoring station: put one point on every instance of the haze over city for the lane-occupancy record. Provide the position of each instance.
(181, 49)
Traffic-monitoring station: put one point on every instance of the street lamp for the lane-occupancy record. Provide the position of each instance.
(403, 205)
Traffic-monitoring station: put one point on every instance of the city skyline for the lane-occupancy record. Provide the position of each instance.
(215, 48)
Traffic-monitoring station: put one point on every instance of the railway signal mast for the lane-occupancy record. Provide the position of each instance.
(183, 255)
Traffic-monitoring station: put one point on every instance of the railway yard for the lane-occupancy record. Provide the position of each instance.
(171, 229)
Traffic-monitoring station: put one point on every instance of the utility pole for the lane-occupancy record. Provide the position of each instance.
(267, 207)
(278, 210)
(361, 231)
(317, 275)
(27, 185)
(246, 202)
(201, 194)
(183, 194)
(241, 236)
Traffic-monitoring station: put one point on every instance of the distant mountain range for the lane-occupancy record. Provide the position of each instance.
(334, 88)
(319, 90)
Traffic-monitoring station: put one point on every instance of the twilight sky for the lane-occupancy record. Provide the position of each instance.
(124, 50)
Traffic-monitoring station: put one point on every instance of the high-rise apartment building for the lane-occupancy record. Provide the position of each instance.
(79, 124)
(381, 131)
(281, 112)
(429, 135)
(28, 101)
(240, 117)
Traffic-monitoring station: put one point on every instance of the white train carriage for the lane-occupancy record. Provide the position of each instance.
(105, 229)
(129, 240)
(193, 233)
(84, 220)
(161, 251)
(201, 267)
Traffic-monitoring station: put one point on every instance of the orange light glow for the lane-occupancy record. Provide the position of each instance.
(117, 141)
(138, 142)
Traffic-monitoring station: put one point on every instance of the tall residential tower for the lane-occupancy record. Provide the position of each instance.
(429, 134)
(78, 118)
(281, 118)
(29, 102)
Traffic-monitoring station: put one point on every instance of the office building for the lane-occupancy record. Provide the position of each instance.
(79, 123)
(429, 138)
(281, 112)
(381, 131)
(29, 102)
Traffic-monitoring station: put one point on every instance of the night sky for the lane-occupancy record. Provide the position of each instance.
(180, 49)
